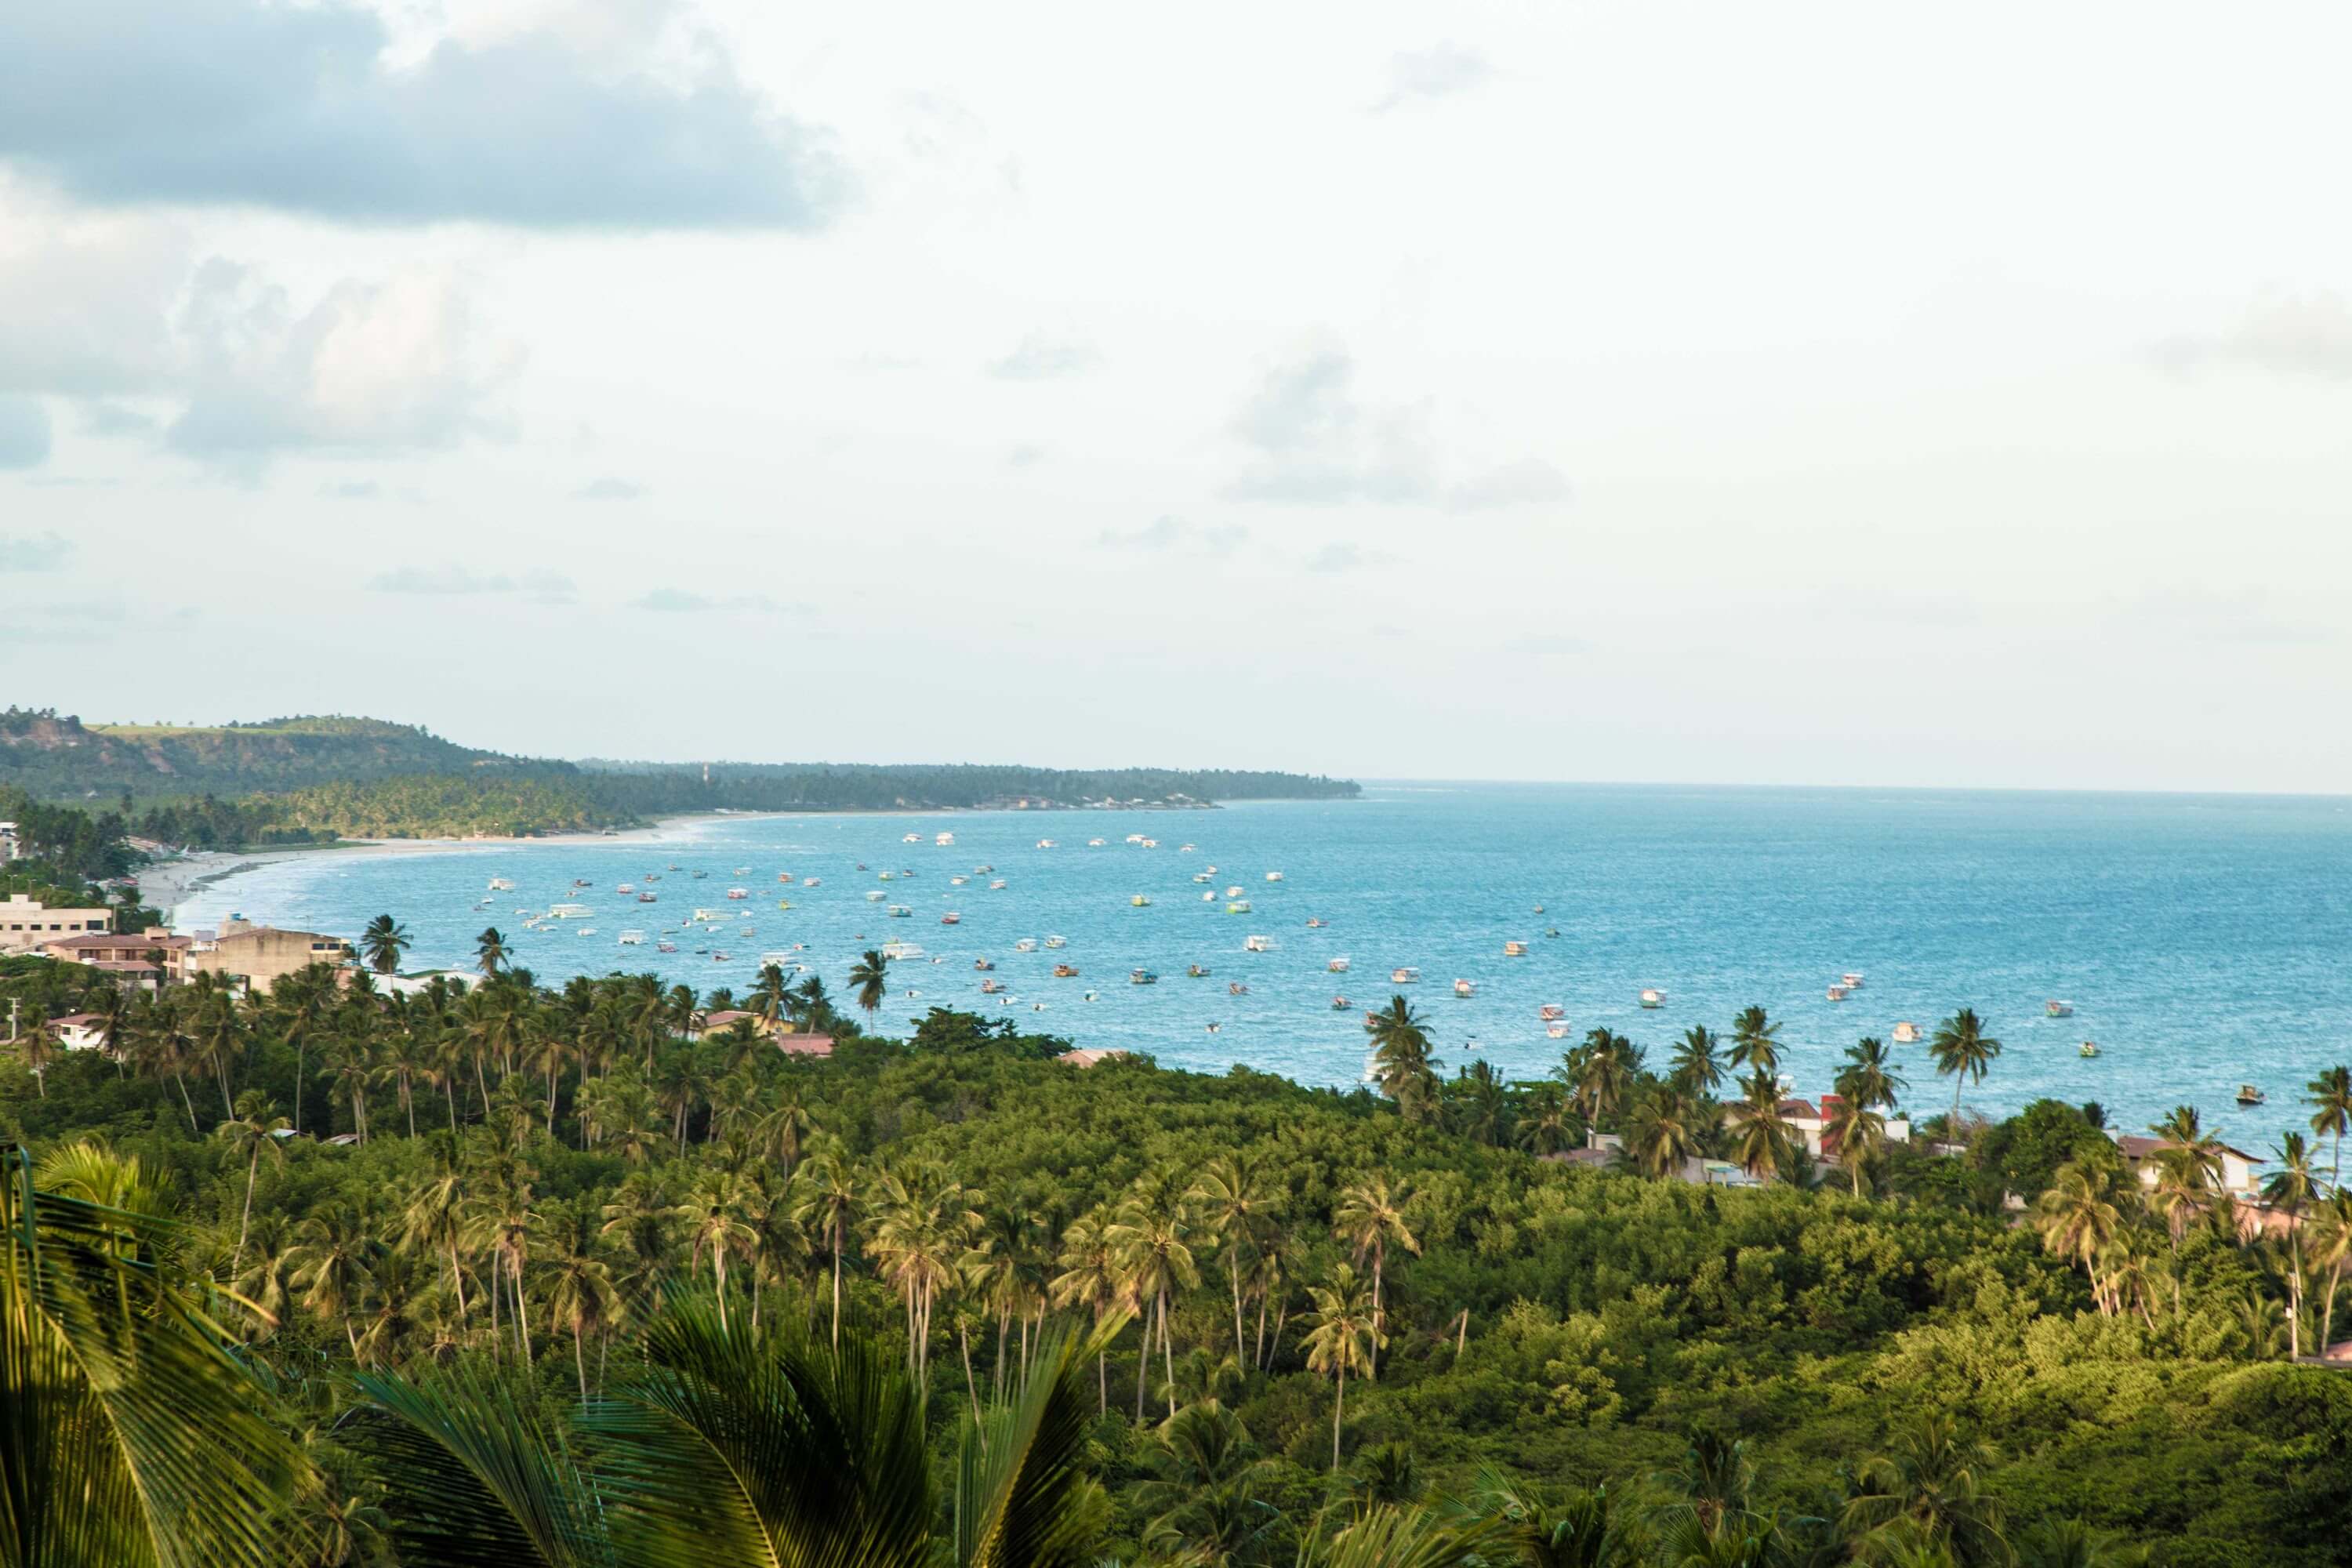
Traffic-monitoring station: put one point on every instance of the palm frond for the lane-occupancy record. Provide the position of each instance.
(1022, 1498)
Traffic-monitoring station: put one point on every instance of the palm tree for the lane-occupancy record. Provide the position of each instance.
(713, 1222)
(40, 1042)
(1201, 1498)
(2072, 1544)
(490, 951)
(132, 1437)
(2290, 1190)
(1582, 1533)
(1695, 1061)
(2189, 1168)
(332, 1265)
(1755, 1043)
(1765, 1139)
(869, 982)
(580, 1296)
(2079, 1216)
(2331, 1250)
(1369, 1218)
(434, 1222)
(828, 1208)
(1669, 1128)
(384, 941)
(1962, 1051)
(252, 1132)
(1857, 1131)
(1402, 1065)
(2331, 1100)
(1545, 1125)
(1233, 1197)
(1601, 1074)
(1869, 1076)
(1091, 1277)
(1148, 1237)
(1930, 1482)
(1344, 1338)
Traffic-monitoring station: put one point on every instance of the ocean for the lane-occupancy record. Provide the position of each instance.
(2203, 940)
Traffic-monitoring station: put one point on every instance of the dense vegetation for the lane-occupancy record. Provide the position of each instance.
(571, 1294)
(302, 779)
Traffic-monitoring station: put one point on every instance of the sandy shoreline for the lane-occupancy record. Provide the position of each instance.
(167, 885)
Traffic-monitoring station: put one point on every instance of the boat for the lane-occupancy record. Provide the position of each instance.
(1514, 950)
(1141, 977)
(624, 887)
(997, 886)
(1274, 876)
(1135, 838)
(2249, 1096)
(1197, 971)
(1340, 1003)
(777, 957)
(1140, 901)
(990, 987)
(1184, 848)
(1837, 992)
(582, 882)
(896, 951)
(984, 964)
(1045, 844)
(566, 912)
(1094, 843)
(1404, 975)
(587, 931)
(812, 881)
(958, 880)
(981, 870)
(738, 894)
(1234, 891)
(1462, 988)
(1853, 978)
(699, 875)
(875, 895)
(901, 911)
(1026, 944)
(1209, 895)
(784, 903)
(2087, 1049)
(944, 840)
(722, 958)
(1316, 922)
(1556, 1031)
(784, 876)
(1203, 876)
(1539, 908)
(1238, 907)
(1151, 843)
(1235, 988)
(1056, 941)
(1551, 930)
(1906, 1033)
(1338, 966)
(2058, 1009)
(889, 876)
(911, 838)
(742, 871)
(1066, 971)
(501, 885)
(633, 939)
(1551, 1011)
(1257, 945)
(665, 947)
(1652, 997)
(951, 919)
(648, 898)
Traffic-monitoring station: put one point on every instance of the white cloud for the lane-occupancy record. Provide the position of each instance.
(1163, 533)
(1441, 71)
(1311, 440)
(1044, 356)
(608, 489)
(34, 552)
(681, 601)
(539, 587)
(1341, 556)
(1530, 481)
(23, 432)
(2285, 333)
(104, 288)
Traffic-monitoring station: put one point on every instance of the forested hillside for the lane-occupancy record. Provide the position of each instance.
(570, 1248)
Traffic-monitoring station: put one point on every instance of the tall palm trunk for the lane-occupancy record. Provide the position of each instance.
(1167, 1350)
(1380, 1319)
(252, 1171)
(837, 1295)
(1337, 1410)
(964, 1337)
(1233, 1267)
(579, 1361)
(185, 1102)
(301, 1054)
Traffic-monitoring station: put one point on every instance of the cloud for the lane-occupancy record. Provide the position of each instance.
(1310, 440)
(538, 586)
(304, 108)
(2285, 333)
(375, 368)
(34, 552)
(105, 287)
(1530, 481)
(1547, 646)
(681, 601)
(23, 432)
(107, 420)
(351, 489)
(1163, 533)
(1024, 455)
(608, 489)
(2249, 615)
(1042, 356)
(1340, 556)
(1441, 71)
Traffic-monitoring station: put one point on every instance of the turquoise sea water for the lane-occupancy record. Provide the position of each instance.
(2204, 941)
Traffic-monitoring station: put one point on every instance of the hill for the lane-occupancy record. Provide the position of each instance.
(56, 757)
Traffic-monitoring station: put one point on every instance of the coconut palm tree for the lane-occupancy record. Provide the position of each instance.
(1765, 1141)
(1869, 1076)
(1147, 1236)
(39, 1042)
(829, 1211)
(1601, 1074)
(1344, 1337)
(1669, 1127)
(2072, 1544)
(2189, 1168)
(333, 1264)
(1369, 1218)
(382, 943)
(1237, 1200)
(869, 982)
(2331, 1101)
(1963, 1051)
(434, 1222)
(581, 1298)
(2079, 1216)
(252, 1132)
(1696, 1061)
(1857, 1131)
(1930, 1480)
(712, 1222)
(1401, 1063)
(1546, 1124)
(1091, 1277)
(130, 1436)
(1584, 1531)
(1755, 1042)
(2290, 1190)
(2331, 1250)
(490, 951)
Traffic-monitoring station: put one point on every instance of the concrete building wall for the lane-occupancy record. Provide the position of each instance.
(27, 923)
(263, 955)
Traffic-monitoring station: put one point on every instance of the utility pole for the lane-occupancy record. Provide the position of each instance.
(12, 1020)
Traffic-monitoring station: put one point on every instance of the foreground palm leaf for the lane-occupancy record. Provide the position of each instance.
(1022, 1500)
(127, 1436)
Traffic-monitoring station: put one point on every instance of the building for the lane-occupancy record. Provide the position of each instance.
(27, 925)
(791, 1044)
(78, 1031)
(1087, 1059)
(1810, 1123)
(152, 957)
(261, 955)
(2238, 1177)
(12, 848)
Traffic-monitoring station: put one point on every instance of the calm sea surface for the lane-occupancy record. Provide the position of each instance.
(2204, 941)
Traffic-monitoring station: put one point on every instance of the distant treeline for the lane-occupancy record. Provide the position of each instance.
(648, 789)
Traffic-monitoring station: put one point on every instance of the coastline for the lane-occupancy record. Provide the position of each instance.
(166, 885)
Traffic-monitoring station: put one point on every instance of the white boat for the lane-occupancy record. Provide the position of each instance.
(1853, 978)
(1514, 950)
(587, 931)
(898, 950)
(1184, 848)
(624, 887)
(876, 896)
(1652, 997)
(1464, 989)
(811, 881)
(944, 840)
(1257, 945)
(901, 911)
(1234, 891)
(1135, 838)
(1202, 876)
(1238, 907)
(997, 886)
(568, 913)
(1209, 896)
(1550, 1012)
(1338, 966)
(1405, 975)
(1906, 1033)
(781, 959)
(958, 880)
(1837, 992)
(1055, 941)
(1556, 1031)
(1094, 843)
(501, 885)
(889, 876)
(1140, 901)
(1274, 876)
(1151, 843)
(911, 838)
(1045, 844)
(633, 939)
(1026, 944)
(2058, 1009)
(738, 893)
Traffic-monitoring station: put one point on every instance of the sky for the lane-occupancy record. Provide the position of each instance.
(1812, 393)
